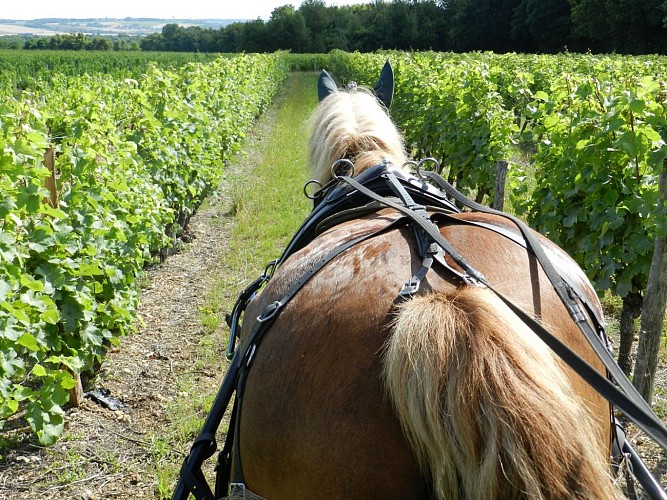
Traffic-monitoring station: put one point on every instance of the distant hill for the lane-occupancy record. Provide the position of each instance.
(102, 26)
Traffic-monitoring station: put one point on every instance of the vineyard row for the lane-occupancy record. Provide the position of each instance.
(139, 144)
(134, 157)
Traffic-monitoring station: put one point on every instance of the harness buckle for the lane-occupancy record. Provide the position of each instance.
(269, 311)
(411, 287)
(237, 490)
(471, 280)
(250, 355)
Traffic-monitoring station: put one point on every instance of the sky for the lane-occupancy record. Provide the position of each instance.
(163, 9)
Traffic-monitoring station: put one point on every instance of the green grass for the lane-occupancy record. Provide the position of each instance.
(267, 206)
(270, 206)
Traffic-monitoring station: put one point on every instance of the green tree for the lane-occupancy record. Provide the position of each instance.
(100, 43)
(542, 25)
(482, 24)
(432, 27)
(75, 41)
(287, 29)
(231, 38)
(255, 37)
(316, 15)
(624, 26)
(152, 42)
(11, 42)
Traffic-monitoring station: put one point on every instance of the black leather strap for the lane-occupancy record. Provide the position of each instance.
(223, 469)
(266, 319)
(193, 479)
(337, 198)
(204, 445)
(629, 401)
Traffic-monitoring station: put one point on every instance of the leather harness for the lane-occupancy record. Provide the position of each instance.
(420, 200)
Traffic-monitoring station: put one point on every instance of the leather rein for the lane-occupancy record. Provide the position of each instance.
(419, 200)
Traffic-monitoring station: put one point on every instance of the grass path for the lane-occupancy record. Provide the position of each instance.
(269, 203)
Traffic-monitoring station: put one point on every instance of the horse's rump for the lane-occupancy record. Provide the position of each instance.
(316, 421)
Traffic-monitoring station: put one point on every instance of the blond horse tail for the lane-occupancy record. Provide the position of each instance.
(486, 408)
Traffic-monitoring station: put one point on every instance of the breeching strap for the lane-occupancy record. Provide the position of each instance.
(628, 400)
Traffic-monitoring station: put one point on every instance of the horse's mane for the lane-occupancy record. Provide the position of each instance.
(352, 125)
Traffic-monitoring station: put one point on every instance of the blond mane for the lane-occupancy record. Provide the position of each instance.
(352, 125)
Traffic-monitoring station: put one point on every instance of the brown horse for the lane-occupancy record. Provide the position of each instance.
(356, 392)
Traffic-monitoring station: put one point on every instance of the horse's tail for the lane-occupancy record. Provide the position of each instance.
(484, 405)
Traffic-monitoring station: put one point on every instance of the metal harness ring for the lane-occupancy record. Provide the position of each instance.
(314, 195)
(437, 169)
(342, 167)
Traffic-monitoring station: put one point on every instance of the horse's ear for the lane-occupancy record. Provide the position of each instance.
(384, 88)
(325, 86)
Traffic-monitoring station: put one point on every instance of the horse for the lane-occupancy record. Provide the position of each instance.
(357, 391)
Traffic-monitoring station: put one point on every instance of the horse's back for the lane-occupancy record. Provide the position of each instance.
(316, 421)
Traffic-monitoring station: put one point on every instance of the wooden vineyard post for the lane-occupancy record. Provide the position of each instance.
(653, 310)
(75, 393)
(499, 189)
(50, 182)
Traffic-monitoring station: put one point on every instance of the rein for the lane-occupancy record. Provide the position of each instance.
(344, 199)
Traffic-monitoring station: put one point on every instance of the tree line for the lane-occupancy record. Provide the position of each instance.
(71, 41)
(548, 26)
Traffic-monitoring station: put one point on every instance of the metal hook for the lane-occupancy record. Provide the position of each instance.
(411, 164)
(336, 171)
(305, 189)
(270, 269)
(437, 169)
